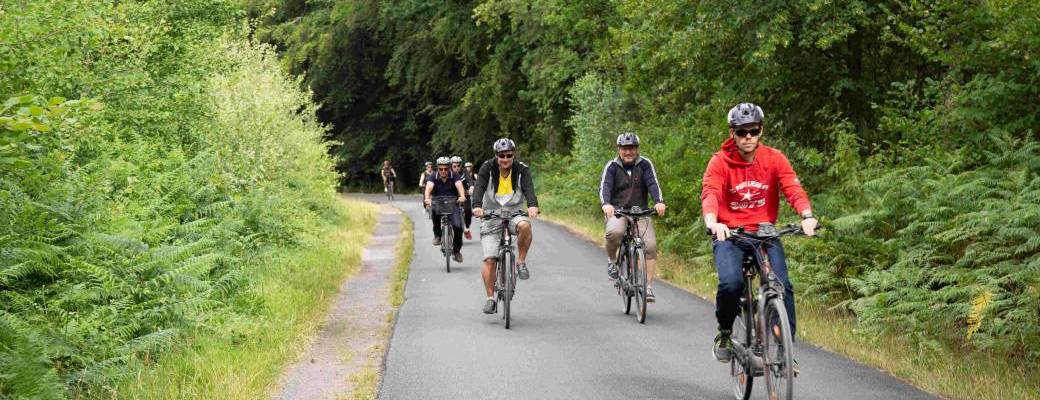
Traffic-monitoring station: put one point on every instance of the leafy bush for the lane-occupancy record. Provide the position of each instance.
(131, 215)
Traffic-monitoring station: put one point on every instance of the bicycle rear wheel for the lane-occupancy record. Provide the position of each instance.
(742, 372)
(447, 244)
(509, 282)
(639, 283)
(779, 359)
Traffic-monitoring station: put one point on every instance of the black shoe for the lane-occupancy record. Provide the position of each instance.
(436, 241)
(723, 348)
(458, 257)
(489, 307)
(612, 270)
(650, 298)
(522, 272)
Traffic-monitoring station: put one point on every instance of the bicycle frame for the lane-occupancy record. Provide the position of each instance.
(750, 355)
(505, 266)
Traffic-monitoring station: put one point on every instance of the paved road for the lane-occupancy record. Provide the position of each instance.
(569, 338)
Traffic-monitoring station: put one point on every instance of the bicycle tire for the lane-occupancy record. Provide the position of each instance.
(447, 244)
(743, 333)
(778, 355)
(507, 287)
(639, 268)
(626, 297)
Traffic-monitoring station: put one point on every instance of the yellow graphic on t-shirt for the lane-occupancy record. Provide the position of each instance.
(504, 191)
(505, 186)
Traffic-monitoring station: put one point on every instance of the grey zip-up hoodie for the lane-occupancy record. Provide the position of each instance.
(487, 183)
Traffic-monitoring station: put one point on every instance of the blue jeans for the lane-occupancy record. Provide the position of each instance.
(728, 259)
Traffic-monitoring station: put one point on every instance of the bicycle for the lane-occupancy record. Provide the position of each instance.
(631, 282)
(505, 266)
(445, 206)
(389, 189)
(754, 351)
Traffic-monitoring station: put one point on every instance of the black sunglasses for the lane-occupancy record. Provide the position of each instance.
(505, 155)
(441, 169)
(748, 132)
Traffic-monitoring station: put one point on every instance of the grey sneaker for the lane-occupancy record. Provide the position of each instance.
(612, 270)
(489, 306)
(522, 272)
(650, 298)
(723, 348)
(436, 241)
(458, 257)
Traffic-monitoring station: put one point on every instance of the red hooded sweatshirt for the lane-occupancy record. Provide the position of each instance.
(746, 194)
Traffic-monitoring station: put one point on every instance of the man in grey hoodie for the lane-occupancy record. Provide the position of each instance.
(503, 183)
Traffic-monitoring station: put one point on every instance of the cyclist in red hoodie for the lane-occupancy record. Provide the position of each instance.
(741, 188)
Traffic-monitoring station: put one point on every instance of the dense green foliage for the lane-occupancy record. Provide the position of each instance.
(910, 123)
(134, 213)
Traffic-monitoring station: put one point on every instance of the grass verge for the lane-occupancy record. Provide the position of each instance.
(366, 382)
(240, 355)
(948, 372)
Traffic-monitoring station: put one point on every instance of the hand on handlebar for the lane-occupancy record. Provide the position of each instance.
(532, 212)
(478, 212)
(659, 207)
(608, 210)
(809, 226)
(427, 202)
(720, 231)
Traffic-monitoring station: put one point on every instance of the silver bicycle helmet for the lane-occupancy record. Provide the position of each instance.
(443, 161)
(468, 164)
(628, 139)
(745, 113)
(456, 159)
(504, 144)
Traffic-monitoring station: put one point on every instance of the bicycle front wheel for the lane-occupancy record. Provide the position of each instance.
(447, 245)
(639, 283)
(623, 290)
(779, 359)
(742, 371)
(509, 280)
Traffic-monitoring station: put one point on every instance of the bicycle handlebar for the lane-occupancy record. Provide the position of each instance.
(499, 214)
(633, 212)
(765, 232)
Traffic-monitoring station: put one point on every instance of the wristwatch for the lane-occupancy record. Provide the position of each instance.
(808, 215)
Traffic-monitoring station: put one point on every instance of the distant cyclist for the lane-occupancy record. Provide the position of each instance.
(467, 184)
(503, 183)
(445, 183)
(741, 188)
(630, 180)
(388, 174)
(425, 175)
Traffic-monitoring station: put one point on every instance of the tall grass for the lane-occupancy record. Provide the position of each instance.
(240, 356)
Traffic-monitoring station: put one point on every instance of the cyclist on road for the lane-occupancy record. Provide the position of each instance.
(467, 183)
(425, 175)
(741, 188)
(630, 180)
(445, 183)
(503, 183)
(388, 173)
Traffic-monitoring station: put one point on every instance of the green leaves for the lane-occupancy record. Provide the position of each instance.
(123, 226)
